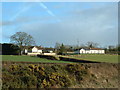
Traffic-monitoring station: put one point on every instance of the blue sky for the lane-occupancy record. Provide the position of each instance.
(63, 22)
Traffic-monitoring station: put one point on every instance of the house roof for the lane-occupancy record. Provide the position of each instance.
(95, 49)
(91, 49)
(82, 48)
(49, 49)
(38, 47)
(41, 48)
(86, 48)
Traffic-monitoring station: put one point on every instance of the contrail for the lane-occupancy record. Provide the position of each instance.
(25, 8)
(48, 11)
(21, 11)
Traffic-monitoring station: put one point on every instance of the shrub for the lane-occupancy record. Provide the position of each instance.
(79, 71)
(72, 68)
(57, 68)
(36, 76)
(58, 79)
(14, 82)
(65, 81)
(48, 70)
(31, 66)
(14, 67)
(45, 84)
(29, 80)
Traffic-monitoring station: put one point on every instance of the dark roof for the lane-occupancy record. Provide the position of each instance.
(86, 48)
(95, 49)
(92, 48)
(39, 47)
(48, 49)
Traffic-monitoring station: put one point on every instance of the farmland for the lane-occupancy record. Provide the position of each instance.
(98, 58)
(29, 59)
(85, 57)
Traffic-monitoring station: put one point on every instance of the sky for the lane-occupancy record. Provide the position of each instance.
(62, 22)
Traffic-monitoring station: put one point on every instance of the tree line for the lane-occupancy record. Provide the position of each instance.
(21, 40)
(63, 49)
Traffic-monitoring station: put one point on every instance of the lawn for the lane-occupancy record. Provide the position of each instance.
(29, 59)
(99, 58)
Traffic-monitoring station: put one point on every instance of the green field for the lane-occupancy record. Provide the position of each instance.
(99, 58)
(29, 59)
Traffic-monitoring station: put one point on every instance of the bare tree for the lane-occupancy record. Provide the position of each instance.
(92, 44)
(57, 45)
(22, 39)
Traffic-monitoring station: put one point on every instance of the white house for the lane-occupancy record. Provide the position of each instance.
(34, 50)
(49, 51)
(90, 51)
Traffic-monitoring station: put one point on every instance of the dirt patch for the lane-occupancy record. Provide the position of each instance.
(103, 75)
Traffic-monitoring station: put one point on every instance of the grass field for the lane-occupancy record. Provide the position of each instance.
(29, 59)
(99, 58)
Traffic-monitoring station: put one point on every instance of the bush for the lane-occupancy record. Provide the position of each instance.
(72, 68)
(14, 67)
(36, 76)
(55, 79)
(79, 71)
(29, 80)
(57, 68)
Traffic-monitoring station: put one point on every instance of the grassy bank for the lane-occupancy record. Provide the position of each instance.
(97, 75)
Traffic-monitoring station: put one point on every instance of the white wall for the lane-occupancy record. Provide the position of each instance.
(33, 54)
(103, 51)
(92, 51)
(87, 51)
(49, 53)
(40, 51)
(34, 50)
(82, 51)
(26, 51)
